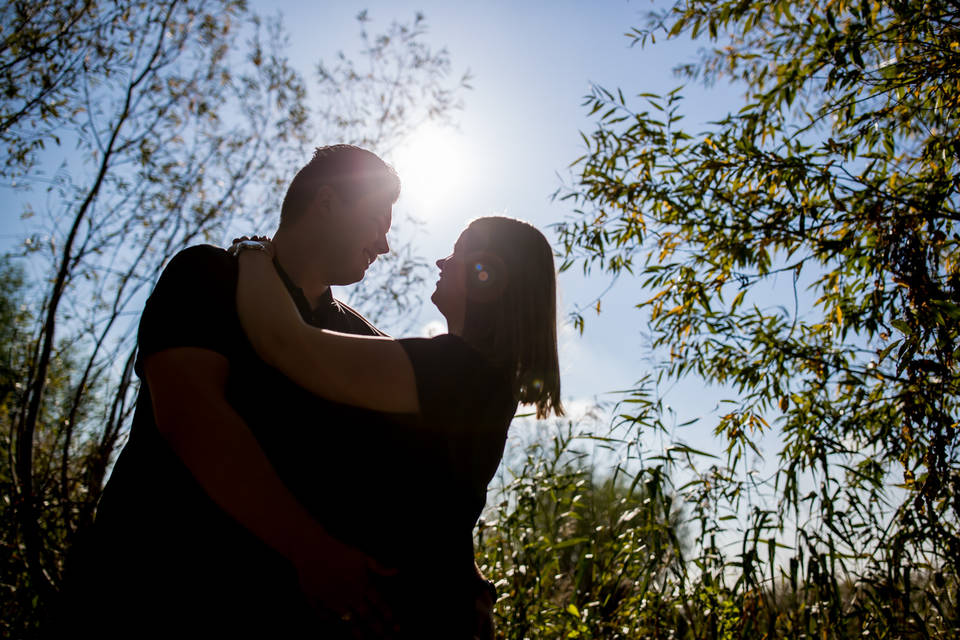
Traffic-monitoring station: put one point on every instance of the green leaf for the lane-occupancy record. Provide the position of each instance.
(902, 326)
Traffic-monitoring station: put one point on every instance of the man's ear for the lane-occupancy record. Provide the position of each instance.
(322, 201)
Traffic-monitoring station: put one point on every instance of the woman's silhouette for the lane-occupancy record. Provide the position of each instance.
(445, 405)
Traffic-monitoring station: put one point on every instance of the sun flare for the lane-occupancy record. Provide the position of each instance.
(431, 165)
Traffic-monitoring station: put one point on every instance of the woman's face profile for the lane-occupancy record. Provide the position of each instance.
(450, 296)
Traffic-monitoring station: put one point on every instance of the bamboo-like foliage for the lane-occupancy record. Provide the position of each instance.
(835, 188)
(653, 547)
(577, 549)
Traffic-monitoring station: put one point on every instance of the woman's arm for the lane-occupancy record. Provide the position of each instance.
(369, 372)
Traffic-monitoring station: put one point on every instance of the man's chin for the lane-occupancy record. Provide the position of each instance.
(354, 277)
(347, 280)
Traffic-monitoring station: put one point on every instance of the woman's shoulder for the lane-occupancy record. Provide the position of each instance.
(447, 366)
(447, 351)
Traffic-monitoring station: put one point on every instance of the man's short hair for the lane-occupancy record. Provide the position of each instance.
(351, 171)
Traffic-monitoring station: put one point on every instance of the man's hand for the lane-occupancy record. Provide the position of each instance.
(339, 582)
(187, 386)
(483, 614)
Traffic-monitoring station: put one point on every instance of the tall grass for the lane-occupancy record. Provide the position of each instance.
(587, 546)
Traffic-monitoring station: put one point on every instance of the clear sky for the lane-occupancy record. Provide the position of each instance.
(532, 64)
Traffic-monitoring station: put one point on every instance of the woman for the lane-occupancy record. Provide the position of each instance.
(447, 402)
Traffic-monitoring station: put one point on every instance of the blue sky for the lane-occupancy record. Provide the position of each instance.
(532, 64)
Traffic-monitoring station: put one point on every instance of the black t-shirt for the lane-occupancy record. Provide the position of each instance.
(159, 542)
(416, 484)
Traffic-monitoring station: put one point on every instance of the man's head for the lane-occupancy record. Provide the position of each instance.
(337, 212)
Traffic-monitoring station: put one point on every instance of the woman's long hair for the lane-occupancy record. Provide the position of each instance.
(511, 310)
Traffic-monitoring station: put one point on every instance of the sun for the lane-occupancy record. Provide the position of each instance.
(431, 165)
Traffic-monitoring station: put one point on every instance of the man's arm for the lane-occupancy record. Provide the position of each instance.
(187, 386)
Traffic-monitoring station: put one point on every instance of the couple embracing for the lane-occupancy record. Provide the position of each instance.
(291, 470)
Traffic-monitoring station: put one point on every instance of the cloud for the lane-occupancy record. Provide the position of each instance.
(433, 328)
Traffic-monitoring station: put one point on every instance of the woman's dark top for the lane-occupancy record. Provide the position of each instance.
(416, 484)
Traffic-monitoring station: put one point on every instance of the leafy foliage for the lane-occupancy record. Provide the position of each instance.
(839, 176)
(57, 481)
(576, 554)
(47, 47)
(580, 549)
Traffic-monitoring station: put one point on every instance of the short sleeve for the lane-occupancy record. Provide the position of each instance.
(456, 384)
(446, 372)
(192, 305)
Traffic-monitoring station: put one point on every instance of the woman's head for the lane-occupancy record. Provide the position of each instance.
(498, 291)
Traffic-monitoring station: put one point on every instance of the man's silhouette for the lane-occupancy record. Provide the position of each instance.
(197, 532)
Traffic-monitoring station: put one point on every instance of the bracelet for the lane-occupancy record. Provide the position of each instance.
(248, 244)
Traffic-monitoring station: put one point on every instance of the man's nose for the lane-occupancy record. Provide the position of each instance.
(382, 245)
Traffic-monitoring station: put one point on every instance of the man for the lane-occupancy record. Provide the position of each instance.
(197, 533)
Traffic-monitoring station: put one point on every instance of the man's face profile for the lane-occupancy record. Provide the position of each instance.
(349, 234)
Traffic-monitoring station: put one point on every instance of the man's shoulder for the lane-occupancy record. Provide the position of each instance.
(201, 277)
(203, 255)
(192, 304)
(202, 263)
